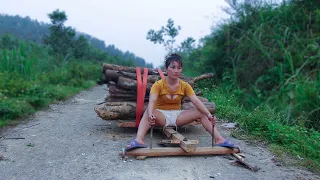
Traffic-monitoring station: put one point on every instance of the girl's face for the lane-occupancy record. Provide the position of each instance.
(174, 70)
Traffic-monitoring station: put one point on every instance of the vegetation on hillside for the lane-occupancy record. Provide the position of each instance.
(25, 28)
(33, 74)
(266, 58)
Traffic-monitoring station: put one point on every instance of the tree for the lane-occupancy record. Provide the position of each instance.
(166, 35)
(61, 38)
(81, 47)
(8, 42)
(187, 46)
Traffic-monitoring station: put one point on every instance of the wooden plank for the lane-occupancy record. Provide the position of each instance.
(168, 142)
(177, 151)
(241, 161)
(186, 144)
(126, 124)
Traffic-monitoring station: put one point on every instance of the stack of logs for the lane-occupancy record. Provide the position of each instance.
(120, 104)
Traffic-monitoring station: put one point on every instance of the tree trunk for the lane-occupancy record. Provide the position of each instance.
(203, 76)
(117, 110)
(130, 84)
(186, 99)
(209, 105)
(114, 89)
(126, 69)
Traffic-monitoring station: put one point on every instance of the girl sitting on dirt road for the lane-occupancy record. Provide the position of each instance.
(164, 108)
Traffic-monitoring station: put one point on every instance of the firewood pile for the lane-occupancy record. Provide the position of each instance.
(120, 103)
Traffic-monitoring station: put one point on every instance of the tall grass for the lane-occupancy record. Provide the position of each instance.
(270, 54)
(266, 124)
(266, 60)
(29, 80)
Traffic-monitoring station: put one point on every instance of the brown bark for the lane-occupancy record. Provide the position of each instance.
(202, 99)
(113, 72)
(151, 78)
(203, 76)
(126, 69)
(209, 105)
(117, 110)
(131, 84)
(113, 75)
(124, 99)
(114, 89)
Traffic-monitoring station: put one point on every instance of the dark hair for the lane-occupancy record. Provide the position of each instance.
(172, 57)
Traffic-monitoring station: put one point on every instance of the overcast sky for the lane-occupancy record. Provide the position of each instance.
(125, 23)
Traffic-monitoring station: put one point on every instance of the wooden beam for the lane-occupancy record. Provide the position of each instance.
(185, 144)
(126, 124)
(177, 151)
(241, 161)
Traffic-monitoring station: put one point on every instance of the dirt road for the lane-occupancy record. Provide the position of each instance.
(69, 141)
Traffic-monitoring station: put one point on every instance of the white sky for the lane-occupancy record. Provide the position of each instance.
(125, 23)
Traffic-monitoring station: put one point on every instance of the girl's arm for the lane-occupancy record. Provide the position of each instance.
(200, 106)
(152, 101)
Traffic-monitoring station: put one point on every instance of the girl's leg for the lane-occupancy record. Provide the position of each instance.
(144, 125)
(189, 116)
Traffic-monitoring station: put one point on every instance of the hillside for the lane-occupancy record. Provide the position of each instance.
(28, 29)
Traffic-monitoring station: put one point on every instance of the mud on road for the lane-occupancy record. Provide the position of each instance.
(68, 141)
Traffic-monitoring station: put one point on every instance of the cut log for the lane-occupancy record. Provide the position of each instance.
(177, 151)
(114, 89)
(116, 110)
(187, 99)
(127, 110)
(113, 72)
(123, 99)
(130, 84)
(151, 78)
(211, 106)
(126, 69)
(203, 76)
(113, 75)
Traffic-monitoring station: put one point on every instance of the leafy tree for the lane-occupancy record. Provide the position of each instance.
(81, 47)
(8, 42)
(187, 46)
(61, 38)
(93, 49)
(166, 35)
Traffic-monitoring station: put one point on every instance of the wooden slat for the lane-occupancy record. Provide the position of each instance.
(186, 144)
(177, 151)
(126, 124)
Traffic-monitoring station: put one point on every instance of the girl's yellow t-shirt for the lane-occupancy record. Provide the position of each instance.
(161, 89)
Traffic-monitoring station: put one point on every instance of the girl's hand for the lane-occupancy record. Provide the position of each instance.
(152, 119)
(212, 118)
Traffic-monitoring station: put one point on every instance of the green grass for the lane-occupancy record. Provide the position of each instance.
(266, 124)
(14, 108)
(22, 92)
(267, 54)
